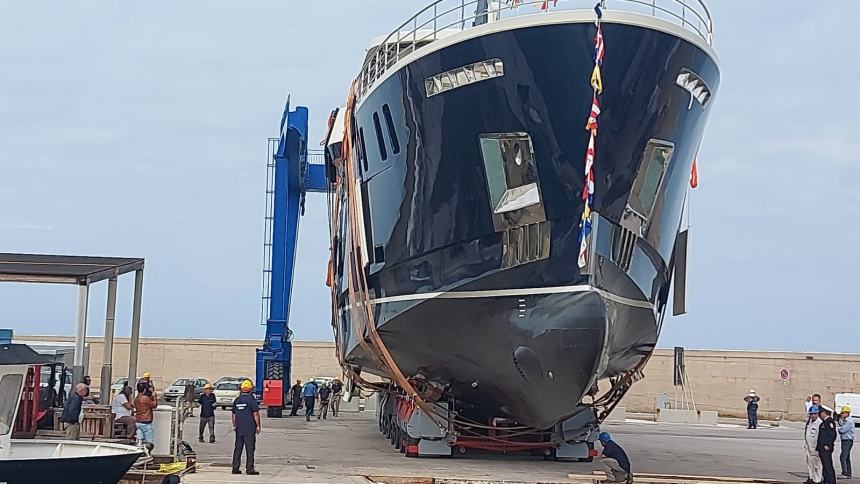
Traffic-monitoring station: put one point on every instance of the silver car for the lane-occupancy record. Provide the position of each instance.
(177, 389)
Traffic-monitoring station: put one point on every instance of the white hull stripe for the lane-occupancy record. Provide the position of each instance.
(514, 292)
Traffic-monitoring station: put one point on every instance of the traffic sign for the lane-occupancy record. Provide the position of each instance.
(784, 374)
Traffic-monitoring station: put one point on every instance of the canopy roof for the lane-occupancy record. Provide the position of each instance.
(15, 354)
(64, 269)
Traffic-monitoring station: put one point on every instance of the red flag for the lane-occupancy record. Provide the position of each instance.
(694, 176)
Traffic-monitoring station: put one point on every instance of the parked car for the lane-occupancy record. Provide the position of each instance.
(226, 392)
(177, 389)
(118, 384)
(322, 380)
(231, 378)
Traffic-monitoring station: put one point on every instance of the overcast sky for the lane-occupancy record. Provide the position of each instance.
(139, 129)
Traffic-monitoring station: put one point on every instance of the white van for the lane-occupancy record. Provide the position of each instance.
(850, 399)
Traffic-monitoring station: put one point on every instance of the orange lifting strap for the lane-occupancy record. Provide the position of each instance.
(362, 314)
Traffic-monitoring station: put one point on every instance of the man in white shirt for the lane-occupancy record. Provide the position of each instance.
(121, 407)
(810, 441)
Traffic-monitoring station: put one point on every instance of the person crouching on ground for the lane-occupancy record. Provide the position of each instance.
(246, 425)
(752, 409)
(143, 405)
(615, 462)
(846, 436)
(71, 416)
(121, 407)
(810, 443)
(207, 413)
(826, 439)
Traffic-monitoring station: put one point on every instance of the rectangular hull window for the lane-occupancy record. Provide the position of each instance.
(646, 187)
(383, 153)
(512, 180)
(392, 133)
(361, 148)
(463, 76)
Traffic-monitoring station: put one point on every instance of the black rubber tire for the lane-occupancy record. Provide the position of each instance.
(274, 412)
(275, 370)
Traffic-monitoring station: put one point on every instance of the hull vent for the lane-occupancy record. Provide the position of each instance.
(623, 242)
(527, 243)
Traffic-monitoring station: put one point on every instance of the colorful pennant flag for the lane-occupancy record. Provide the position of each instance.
(591, 127)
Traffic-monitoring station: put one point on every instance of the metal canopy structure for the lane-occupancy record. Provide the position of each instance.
(84, 271)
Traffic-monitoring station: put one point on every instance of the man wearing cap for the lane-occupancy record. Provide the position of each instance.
(752, 409)
(846, 436)
(826, 439)
(614, 463)
(246, 425)
(147, 380)
(207, 413)
(810, 442)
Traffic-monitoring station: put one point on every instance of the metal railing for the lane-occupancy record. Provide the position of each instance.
(443, 17)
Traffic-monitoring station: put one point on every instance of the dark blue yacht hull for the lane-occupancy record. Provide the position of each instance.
(490, 302)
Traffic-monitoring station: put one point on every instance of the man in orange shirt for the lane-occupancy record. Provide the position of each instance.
(143, 405)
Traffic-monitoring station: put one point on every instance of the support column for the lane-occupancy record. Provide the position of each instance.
(107, 353)
(81, 334)
(135, 327)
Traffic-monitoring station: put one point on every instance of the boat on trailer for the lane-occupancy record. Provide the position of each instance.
(509, 184)
(26, 461)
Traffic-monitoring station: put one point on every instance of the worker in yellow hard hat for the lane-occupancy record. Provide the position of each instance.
(246, 425)
(147, 380)
(846, 434)
(207, 413)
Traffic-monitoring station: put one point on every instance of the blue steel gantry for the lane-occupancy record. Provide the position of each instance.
(291, 174)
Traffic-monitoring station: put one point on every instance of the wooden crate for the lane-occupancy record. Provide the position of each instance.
(97, 421)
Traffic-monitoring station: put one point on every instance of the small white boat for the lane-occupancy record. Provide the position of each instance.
(49, 461)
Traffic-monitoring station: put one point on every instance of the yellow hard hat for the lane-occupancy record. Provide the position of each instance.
(208, 385)
(146, 374)
(845, 409)
(246, 385)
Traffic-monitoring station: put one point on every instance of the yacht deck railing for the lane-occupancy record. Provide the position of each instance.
(444, 17)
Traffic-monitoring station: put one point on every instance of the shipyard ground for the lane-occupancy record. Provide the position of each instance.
(345, 449)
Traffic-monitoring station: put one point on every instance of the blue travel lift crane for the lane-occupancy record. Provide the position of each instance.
(289, 177)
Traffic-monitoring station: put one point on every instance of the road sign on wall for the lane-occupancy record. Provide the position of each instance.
(785, 374)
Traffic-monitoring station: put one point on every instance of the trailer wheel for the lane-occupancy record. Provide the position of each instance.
(549, 454)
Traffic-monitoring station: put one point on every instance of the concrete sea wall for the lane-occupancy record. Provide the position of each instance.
(718, 379)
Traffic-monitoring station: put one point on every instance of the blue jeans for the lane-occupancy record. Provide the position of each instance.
(845, 457)
(309, 406)
(752, 418)
(144, 432)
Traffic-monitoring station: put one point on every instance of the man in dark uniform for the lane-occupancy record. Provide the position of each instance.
(207, 413)
(615, 462)
(246, 425)
(296, 397)
(826, 439)
(336, 395)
